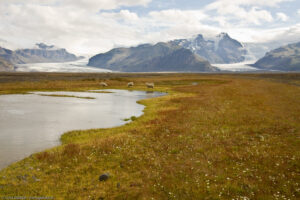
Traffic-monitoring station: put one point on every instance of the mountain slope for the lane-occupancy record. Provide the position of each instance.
(286, 58)
(5, 65)
(220, 49)
(40, 54)
(10, 56)
(151, 58)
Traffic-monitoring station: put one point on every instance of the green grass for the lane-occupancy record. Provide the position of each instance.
(132, 118)
(229, 137)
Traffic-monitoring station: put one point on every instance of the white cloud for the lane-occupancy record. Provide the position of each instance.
(246, 11)
(281, 35)
(298, 12)
(282, 17)
(82, 31)
(91, 5)
(219, 4)
(124, 15)
(255, 15)
(103, 4)
(89, 26)
(178, 16)
(78, 30)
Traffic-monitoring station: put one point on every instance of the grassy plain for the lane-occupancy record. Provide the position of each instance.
(212, 137)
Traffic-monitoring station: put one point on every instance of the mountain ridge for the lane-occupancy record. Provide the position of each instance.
(6, 66)
(41, 53)
(159, 57)
(284, 58)
(221, 49)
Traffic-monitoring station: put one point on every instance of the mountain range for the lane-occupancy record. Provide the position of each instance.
(161, 57)
(285, 58)
(41, 53)
(194, 54)
(180, 55)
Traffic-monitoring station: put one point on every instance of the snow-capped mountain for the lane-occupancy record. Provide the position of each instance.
(40, 53)
(219, 49)
(161, 57)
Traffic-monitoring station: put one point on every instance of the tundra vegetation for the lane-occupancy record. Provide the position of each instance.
(226, 137)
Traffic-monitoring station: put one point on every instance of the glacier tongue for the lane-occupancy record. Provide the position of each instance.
(76, 66)
(237, 67)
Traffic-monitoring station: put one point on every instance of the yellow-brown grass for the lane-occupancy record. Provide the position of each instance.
(229, 137)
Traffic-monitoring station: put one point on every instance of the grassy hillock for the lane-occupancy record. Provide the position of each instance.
(211, 137)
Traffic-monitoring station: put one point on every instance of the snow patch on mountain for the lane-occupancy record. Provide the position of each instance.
(219, 49)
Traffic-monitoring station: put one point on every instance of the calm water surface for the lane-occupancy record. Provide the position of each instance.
(32, 123)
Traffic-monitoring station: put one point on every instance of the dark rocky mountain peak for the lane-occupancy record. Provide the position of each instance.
(199, 37)
(44, 46)
(223, 35)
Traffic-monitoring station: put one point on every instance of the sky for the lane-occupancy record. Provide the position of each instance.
(88, 27)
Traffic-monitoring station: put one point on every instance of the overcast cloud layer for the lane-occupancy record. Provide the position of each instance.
(94, 26)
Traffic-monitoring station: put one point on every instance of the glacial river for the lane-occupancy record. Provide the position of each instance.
(31, 123)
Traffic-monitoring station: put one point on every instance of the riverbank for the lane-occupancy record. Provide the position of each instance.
(212, 137)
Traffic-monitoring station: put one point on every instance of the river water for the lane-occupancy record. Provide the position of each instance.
(31, 123)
